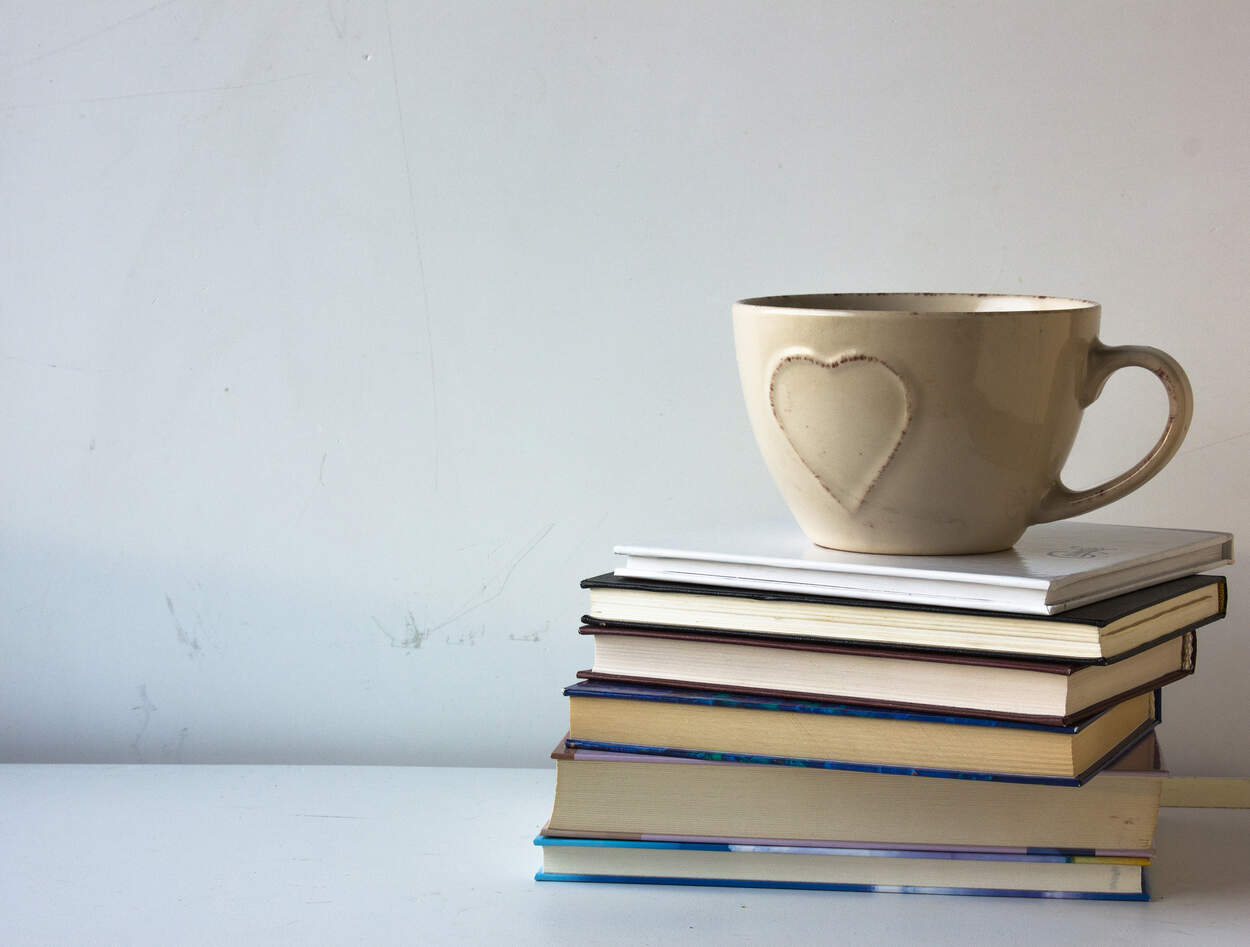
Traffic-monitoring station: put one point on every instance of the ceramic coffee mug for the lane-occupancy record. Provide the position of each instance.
(933, 423)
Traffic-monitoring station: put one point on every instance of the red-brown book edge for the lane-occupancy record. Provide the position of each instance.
(836, 647)
(1188, 659)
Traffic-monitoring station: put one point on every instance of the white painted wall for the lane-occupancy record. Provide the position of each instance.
(338, 342)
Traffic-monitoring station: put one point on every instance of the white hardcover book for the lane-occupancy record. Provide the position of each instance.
(1054, 567)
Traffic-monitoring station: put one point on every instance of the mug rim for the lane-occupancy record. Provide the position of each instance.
(918, 304)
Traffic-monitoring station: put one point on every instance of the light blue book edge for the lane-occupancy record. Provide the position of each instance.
(1144, 895)
(543, 840)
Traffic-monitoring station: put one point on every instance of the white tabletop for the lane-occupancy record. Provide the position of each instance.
(339, 855)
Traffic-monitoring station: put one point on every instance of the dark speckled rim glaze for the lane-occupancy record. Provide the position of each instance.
(918, 304)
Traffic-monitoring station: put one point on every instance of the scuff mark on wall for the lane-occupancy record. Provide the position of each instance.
(145, 708)
(533, 636)
(191, 641)
(173, 753)
(414, 636)
(468, 638)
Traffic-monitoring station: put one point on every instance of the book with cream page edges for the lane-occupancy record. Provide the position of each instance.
(1104, 631)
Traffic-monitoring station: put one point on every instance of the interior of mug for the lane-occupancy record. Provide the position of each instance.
(920, 302)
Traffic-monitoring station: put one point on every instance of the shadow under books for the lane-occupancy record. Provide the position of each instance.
(1201, 853)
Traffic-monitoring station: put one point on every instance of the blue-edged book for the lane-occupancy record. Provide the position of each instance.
(842, 869)
(624, 717)
(602, 794)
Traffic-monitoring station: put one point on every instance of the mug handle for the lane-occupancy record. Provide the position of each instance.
(1060, 502)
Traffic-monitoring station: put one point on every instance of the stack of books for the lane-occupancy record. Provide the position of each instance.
(771, 714)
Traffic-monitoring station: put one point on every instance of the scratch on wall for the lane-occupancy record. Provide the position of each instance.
(503, 582)
(338, 22)
(96, 34)
(1223, 440)
(416, 237)
(145, 708)
(191, 641)
(152, 93)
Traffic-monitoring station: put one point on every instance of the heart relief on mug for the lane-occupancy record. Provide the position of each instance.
(933, 423)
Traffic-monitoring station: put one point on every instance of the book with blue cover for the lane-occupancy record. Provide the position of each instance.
(900, 871)
(745, 728)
